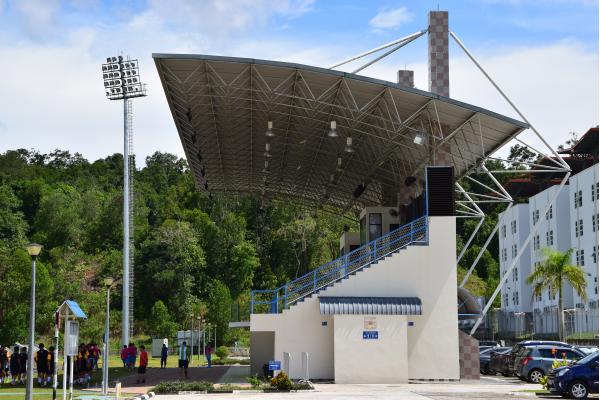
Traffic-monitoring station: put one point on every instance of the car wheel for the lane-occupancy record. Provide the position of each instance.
(578, 390)
(535, 375)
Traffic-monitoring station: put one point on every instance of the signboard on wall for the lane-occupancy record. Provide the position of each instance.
(370, 334)
(274, 365)
(370, 323)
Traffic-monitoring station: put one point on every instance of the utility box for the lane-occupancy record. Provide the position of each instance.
(157, 346)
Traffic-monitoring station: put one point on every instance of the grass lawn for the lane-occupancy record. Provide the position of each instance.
(18, 393)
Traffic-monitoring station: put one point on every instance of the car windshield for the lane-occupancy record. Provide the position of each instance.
(586, 359)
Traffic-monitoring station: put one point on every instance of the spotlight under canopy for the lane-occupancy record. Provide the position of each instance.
(333, 130)
(419, 138)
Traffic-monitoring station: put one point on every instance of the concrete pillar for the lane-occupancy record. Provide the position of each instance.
(439, 71)
(406, 78)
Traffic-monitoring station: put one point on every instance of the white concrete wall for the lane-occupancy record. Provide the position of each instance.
(427, 272)
(382, 360)
(516, 293)
(586, 316)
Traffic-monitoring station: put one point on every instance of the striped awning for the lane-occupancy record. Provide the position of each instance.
(370, 305)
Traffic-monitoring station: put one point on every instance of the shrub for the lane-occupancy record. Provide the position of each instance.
(222, 352)
(178, 386)
(303, 385)
(254, 381)
(282, 382)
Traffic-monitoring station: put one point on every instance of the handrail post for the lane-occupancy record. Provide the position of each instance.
(374, 250)
(285, 296)
(274, 302)
(252, 302)
(315, 280)
(411, 231)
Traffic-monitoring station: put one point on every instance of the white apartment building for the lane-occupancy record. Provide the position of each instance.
(583, 209)
(571, 222)
(552, 233)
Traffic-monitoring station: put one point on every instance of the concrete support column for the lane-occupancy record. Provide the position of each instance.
(406, 78)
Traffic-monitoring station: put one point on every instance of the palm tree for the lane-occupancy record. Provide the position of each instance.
(552, 273)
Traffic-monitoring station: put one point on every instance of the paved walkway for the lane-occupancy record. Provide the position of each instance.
(485, 389)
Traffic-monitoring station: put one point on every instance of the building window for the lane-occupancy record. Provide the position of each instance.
(577, 199)
(513, 227)
(515, 275)
(504, 257)
(594, 256)
(549, 213)
(374, 226)
(595, 191)
(579, 228)
(503, 230)
(536, 216)
(549, 238)
(580, 257)
(514, 250)
(536, 242)
(517, 297)
(595, 225)
(596, 285)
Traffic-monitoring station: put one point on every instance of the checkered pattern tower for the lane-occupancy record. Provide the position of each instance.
(439, 72)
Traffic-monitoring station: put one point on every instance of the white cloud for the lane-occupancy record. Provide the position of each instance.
(391, 18)
(37, 16)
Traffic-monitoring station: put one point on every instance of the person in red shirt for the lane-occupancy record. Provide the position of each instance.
(143, 365)
(124, 354)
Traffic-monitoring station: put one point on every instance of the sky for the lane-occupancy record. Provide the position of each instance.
(542, 53)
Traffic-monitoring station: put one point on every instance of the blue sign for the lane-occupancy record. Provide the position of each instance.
(274, 365)
(370, 334)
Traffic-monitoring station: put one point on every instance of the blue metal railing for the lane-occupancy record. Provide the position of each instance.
(276, 300)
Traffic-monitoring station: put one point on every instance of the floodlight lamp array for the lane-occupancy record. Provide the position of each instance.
(122, 78)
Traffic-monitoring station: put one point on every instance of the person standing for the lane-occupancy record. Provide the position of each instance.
(164, 353)
(4, 368)
(15, 366)
(208, 352)
(132, 355)
(50, 365)
(143, 365)
(41, 360)
(184, 360)
(124, 353)
(23, 365)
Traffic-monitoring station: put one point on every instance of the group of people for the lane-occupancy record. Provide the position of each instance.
(13, 365)
(85, 362)
(129, 356)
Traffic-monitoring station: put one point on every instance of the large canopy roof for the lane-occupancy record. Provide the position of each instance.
(222, 105)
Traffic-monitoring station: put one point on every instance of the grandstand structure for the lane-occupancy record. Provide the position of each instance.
(385, 152)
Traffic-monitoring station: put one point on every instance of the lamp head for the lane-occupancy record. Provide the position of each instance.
(34, 249)
(108, 282)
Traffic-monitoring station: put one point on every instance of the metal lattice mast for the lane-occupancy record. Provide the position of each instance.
(131, 210)
(122, 82)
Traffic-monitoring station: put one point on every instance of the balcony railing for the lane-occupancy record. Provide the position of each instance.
(276, 300)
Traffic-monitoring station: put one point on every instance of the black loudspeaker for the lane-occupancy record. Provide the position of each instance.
(440, 191)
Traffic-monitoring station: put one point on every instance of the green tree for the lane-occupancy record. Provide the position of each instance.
(244, 262)
(219, 308)
(161, 324)
(555, 271)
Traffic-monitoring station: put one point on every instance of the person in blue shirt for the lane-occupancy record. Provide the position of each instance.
(164, 353)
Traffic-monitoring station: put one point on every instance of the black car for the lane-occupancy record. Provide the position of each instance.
(500, 362)
(485, 357)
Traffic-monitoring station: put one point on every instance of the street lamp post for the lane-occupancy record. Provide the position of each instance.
(34, 250)
(108, 282)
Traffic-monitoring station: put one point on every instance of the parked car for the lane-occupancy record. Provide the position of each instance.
(532, 363)
(484, 348)
(577, 380)
(529, 343)
(491, 343)
(485, 358)
(501, 362)
(588, 349)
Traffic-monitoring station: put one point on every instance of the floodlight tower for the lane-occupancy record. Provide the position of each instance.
(122, 82)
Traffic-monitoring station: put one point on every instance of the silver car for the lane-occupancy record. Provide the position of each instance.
(532, 363)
